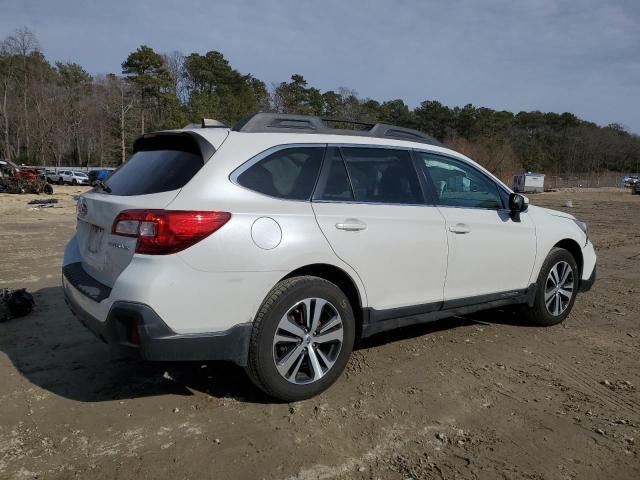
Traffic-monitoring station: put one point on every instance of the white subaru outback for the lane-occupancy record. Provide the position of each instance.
(279, 243)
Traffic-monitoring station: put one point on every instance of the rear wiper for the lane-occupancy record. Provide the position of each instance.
(103, 186)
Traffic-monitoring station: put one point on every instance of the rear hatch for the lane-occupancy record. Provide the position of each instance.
(161, 165)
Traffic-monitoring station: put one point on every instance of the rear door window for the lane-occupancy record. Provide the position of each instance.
(382, 175)
(334, 184)
(290, 173)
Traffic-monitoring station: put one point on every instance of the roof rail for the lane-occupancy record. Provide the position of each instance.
(206, 123)
(288, 123)
(212, 123)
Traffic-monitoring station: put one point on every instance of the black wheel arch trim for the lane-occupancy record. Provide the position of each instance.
(586, 285)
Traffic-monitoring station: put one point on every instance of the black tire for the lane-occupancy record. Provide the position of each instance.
(48, 189)
(74, 182)
(60, 181)
(261, 367)
(539, 314)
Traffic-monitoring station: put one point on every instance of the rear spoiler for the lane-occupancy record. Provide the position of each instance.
(184, 141)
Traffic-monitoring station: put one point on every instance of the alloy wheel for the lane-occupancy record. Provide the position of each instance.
(559, 288)
(307, 341)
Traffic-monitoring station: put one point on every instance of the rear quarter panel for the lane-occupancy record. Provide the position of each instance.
(231, 252)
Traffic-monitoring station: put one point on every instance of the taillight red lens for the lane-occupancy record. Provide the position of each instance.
(161, 232)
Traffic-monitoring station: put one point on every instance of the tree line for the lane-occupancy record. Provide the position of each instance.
(55, 114)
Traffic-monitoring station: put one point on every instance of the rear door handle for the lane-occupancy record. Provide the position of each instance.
(459, 228)
(351, 225)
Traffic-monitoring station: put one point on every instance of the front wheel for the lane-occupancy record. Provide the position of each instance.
(556, 289)
(302, 338)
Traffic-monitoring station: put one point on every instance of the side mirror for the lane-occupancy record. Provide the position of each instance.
(517, 204)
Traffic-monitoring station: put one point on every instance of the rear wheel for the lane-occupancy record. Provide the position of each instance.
(74, 182)
(556, 289)
(302, 338)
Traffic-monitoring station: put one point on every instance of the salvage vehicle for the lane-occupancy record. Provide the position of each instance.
(28, 173)
(14, 179)
(278, 243)
(73, 177)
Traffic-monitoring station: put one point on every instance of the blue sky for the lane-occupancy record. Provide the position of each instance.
(581, 56)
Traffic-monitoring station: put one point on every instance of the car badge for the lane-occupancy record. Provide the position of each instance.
(83, 208)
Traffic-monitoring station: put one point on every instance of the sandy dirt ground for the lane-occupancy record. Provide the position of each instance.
(476, 397)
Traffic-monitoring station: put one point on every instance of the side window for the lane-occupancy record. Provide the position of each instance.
(335, 185)
(381, 175)
(290, 173)
(460, 185)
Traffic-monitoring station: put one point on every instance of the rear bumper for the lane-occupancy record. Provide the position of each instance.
(136, 330)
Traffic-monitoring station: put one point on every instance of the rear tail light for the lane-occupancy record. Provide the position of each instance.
(160, 232)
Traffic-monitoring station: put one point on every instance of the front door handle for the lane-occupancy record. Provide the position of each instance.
(351, 225)
(459, 228)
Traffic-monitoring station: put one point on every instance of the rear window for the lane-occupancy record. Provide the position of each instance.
(290, 173)
(162, 162)
(154, 171)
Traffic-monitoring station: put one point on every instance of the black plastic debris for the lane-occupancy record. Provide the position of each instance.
(47, 202)
(15, 303)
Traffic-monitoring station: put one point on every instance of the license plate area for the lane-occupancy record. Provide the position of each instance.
(95, 239)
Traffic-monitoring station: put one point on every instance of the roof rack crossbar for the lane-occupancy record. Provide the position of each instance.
(281, 122)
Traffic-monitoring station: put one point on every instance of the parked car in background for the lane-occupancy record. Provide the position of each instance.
(279, 243)
(50, 175)
(635, 188)
(73, 177)
(630, 180)
(99, 175)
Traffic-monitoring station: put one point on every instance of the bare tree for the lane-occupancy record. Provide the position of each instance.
(23, 43)
(118, 100)
(174, 63)
(7, 74)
